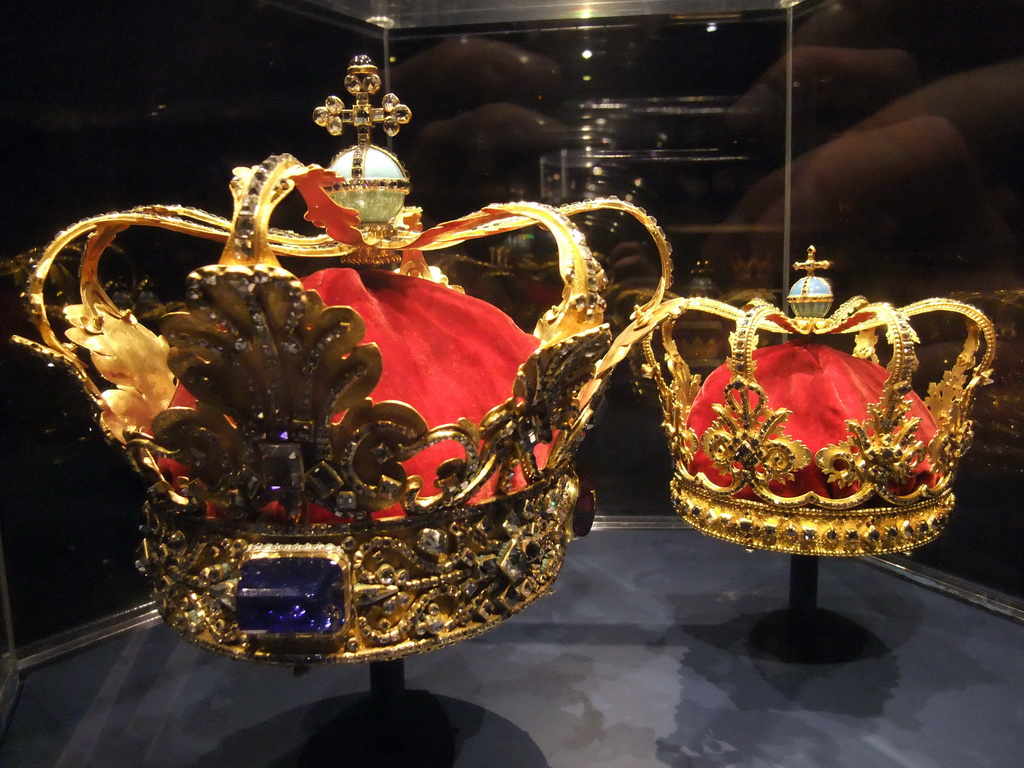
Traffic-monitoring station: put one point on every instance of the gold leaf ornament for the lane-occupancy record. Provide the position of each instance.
(129, 356)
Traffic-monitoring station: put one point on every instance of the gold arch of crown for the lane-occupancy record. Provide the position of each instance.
(748, 444)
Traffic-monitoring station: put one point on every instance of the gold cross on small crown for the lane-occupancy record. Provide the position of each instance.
(812, 263)
(362, 81)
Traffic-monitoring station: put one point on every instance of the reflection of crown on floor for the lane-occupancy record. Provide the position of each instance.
(308, 504)
(802, 448)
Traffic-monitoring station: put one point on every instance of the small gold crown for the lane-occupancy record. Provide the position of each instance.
(295, 516)
(802, 448)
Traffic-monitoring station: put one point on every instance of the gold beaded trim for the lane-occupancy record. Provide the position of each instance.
(810, 531)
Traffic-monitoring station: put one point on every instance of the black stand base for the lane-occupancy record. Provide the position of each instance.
(387, 680)
(390, 728)
(804, 633)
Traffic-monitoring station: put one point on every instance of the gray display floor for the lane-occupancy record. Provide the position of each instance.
(641, 658)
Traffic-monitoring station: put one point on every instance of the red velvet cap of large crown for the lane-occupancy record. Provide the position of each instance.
(447, 355)
(823, 388)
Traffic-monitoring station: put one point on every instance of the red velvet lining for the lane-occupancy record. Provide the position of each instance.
(446, 354)
(823, 388)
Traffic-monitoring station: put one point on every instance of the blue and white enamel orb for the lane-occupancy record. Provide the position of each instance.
(378, 191)
(810, 296)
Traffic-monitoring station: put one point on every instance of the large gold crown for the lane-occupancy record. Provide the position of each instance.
(802, 448)
(290, 518)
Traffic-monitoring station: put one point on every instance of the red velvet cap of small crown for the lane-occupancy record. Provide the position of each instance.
(824, 388)
(447, 355)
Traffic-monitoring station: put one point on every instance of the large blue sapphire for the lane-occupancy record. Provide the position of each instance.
(290, 596)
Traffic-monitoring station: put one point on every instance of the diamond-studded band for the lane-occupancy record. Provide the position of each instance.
(399, 587)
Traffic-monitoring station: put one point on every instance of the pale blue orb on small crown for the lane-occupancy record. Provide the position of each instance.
(810, 296)
(371, 195)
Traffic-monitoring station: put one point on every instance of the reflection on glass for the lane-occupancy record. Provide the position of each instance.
(907, 123)
(8, 659)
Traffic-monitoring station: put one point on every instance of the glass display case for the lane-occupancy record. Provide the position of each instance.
(9, 679)
(886, 134)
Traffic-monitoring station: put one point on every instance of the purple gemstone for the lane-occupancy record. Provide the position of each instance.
(282, 467)
(290, 595)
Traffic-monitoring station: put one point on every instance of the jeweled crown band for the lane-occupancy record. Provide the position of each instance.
(351, 593)
(810, 531)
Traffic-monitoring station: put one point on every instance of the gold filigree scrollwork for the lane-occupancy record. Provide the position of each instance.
(747, 440)
(415, 585)
(873, 456)
(542, 409)
(948, 403)
(544, 398)
(394, 581)
(677, 394)
(195, 581)
(369, 445)
(457, 478)
(883, 452)
(950, 399)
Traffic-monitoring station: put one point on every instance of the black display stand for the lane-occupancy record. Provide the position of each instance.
(803, 593)
(805, 633)
(391, 727)
(387, 680)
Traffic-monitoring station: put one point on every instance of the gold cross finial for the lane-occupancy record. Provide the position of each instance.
(362, 81)
(812, 263)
